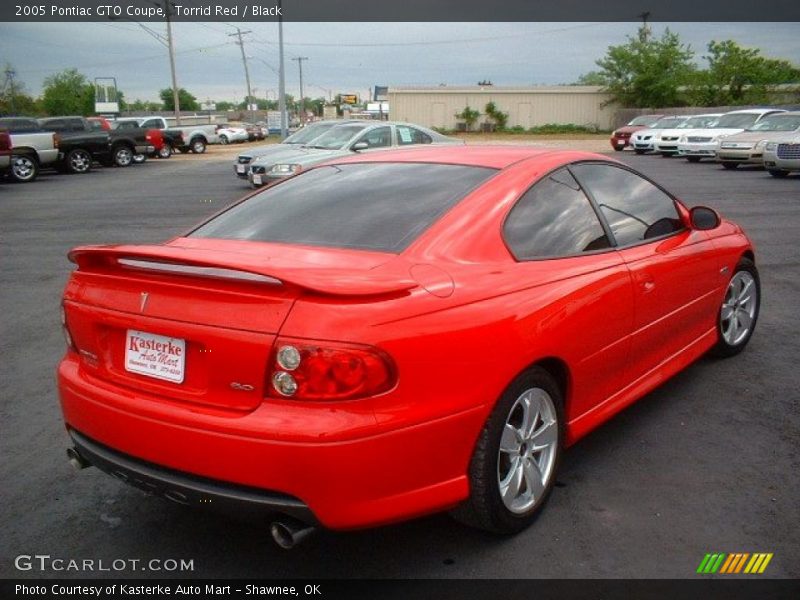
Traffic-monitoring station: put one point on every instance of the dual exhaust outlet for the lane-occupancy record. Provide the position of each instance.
(286, 531)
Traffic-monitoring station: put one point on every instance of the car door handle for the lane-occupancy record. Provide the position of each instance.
(648, 286)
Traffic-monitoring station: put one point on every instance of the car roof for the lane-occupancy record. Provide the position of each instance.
(758, 111)
(491, 156)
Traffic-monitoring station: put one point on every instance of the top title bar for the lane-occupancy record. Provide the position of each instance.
(406, 10)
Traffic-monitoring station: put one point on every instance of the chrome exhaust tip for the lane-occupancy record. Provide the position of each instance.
(76, 460)
(287, 533)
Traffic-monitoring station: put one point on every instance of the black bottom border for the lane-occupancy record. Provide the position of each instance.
(418, 589)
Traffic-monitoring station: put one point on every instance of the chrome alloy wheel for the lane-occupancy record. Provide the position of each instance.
(739, 308)
(123, 156)
(80, 161)
(527, 450)
(23, 167)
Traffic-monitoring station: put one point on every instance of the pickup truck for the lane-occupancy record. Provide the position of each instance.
(32, 148)
(163, 140)
(83, 142)
(195, 137)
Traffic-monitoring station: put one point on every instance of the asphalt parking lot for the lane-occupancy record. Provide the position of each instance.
(709, 462)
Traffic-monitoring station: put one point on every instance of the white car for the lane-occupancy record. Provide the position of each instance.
(697, 144)
(666, 141)
(642, 141)
(782, 156)
(229, 134)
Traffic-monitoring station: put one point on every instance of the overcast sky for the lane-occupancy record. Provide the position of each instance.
(345, 57)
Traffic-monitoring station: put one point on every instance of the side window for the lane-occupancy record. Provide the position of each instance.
(553, 218)
(75, 125)
(410, 135)
(635, 209)
(152, 124)
(380, 137)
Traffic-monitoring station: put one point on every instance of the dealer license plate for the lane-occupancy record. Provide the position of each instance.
(240, 168)
(257, 179)
(155, 355)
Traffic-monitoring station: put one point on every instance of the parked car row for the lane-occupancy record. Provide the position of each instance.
(325, 140)
(73, 144)
(768, 137)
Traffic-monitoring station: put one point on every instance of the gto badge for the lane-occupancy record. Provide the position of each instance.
(242, 387)
(143, 301)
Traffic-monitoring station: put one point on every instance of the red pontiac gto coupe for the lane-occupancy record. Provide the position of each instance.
(395, 334)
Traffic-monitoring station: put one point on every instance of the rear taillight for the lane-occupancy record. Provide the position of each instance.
(325, 371)
(65, 330)
(56, 140)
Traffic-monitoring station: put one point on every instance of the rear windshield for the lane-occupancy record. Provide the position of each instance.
(366, 206)
(20, 125)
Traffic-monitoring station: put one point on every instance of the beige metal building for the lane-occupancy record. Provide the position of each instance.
(526, 106)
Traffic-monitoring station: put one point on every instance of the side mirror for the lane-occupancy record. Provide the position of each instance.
(704, 218)
(359, 146)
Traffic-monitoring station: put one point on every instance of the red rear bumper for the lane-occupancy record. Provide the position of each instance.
(348, 482)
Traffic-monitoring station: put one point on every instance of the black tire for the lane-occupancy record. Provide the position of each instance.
(778, 173)
(485, 509)
(223, 139)
(619, 148)
(24, 168)
(639, 151)
(140, 158)
(78, 161)
(729, 347)
(165, 152)
(693, 159)
(123, 155)
(730, 165)
(198, 146)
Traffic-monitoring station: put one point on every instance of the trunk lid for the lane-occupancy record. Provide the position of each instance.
(194, 321)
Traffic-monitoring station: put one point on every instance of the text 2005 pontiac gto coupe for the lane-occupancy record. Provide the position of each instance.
(395, 334)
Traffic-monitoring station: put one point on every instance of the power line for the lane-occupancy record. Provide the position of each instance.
(436, 42)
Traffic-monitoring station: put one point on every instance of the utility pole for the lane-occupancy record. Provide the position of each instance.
(645, 33)
(282, 78)
(239, 33)
(175, 96)
(9, 84)
(300, 60)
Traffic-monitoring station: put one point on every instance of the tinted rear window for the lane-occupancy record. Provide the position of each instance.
(20, 125)
(367, 206)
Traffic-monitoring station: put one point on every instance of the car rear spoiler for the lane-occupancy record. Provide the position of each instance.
(239, 267)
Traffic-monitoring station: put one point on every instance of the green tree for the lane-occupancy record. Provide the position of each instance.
(647, 72)
(469, 116)
(738, 75)
(499, 117)
(68, 93)
(187, 100)
(591, 78)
